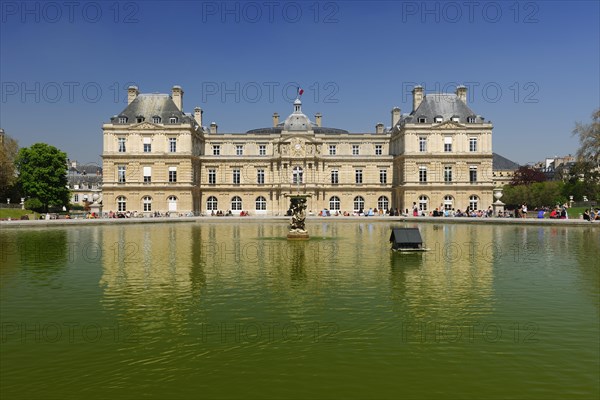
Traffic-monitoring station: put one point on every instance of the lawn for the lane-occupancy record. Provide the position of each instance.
(15, 213)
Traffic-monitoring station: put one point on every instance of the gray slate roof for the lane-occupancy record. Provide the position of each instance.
(503, 163)
(316, 129)
(153, 105)
(444, 105)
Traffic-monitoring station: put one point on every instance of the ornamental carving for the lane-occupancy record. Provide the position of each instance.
(449, 125)
(143, 125)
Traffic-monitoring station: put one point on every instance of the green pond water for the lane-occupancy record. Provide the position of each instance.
(230, 310)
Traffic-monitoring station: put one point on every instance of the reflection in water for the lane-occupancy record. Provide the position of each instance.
(298, 262)
(335, 311)
(43, 254)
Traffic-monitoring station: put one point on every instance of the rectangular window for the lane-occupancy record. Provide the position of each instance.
(216, 150)
(382, 176)
(147, 145)
(236, 176)
(121, 173)
(239, 150)
(121, 145)
(172, 174)
(472, 174)
(156, 120)
(332, 149)
(122, 120)
(358, 176)
(378, 149)
(472, 144)
(422, 144)
(447, 144)
(76, 198)
(172, 145)
(262, 150)
(173, 120)
(212, 176)
(335, 177)
(260, 176)
(447, 174)
(147, 174)
(422, 174)
(355, 150)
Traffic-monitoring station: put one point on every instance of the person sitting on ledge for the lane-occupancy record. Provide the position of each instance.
(541, 214)
(586, 215)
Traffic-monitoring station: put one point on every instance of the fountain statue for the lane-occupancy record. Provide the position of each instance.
(298, 209)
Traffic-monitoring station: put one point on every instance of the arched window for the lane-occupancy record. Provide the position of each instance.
(334, 203)
(359, 203)
(211, 203)
(474, 203)
(121, 203)
(423, 201)
(383, 203)
(448, 202)
(261, 203)
(147, 203)
(297, 173)
(236, 203)
(172, 201)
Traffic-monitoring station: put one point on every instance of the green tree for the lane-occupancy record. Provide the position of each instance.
(43, 174)
(589, 140)
(8, 177)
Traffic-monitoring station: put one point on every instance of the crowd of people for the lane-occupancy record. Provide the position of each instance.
(592, 214)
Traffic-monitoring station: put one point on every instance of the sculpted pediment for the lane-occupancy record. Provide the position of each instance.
(298, 146)
(143, 125)
(449, 125)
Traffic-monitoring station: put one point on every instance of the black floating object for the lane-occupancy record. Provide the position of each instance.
(406, 238)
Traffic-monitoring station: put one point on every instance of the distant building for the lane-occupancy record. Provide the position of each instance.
(555, 168)
(504, 170)
(85, 181)
(158, 158)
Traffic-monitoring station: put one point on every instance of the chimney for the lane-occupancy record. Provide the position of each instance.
(177, 96)
(395, 116)
(198, 115)
(417, 96)
(275, 119)
(213, 127)
(132, 93)
(318, 117)
(461, 93)
(379, 128)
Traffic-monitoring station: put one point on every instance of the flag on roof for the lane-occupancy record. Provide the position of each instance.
(300, 91)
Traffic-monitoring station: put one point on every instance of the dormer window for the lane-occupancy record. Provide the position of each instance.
(122, 120)
(422, 120)
(438, 119)
(156, 120)
(455, 119)
(139, 119)
(173, 120)
(471, 119)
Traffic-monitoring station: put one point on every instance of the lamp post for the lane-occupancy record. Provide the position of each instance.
(571, 201)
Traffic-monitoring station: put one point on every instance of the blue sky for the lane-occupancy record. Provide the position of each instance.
(532, 67)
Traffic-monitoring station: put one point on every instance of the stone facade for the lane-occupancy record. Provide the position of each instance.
(253, 171)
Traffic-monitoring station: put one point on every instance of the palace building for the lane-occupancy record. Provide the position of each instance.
(156, 157)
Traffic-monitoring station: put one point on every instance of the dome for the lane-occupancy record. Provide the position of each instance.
(297, 121)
